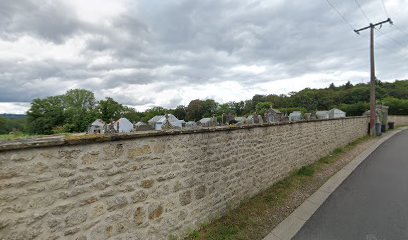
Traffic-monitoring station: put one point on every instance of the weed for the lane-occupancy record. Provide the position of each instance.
(306, 171)
(194, 235)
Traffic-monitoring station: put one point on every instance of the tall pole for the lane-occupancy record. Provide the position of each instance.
(372, 82)
(372, 70)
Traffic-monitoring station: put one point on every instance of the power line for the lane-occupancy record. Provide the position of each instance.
(391, 38)
(341, 15)
(361, 9)
(393, 24)
(385, 9)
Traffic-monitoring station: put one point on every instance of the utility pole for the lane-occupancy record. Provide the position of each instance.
(372, 66)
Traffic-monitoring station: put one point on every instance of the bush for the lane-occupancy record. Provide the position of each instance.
(397, 106)
(355, 109)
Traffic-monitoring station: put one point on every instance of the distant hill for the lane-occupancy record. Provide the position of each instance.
(13, 116)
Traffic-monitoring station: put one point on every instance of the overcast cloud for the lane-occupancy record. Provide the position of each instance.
(147, 53)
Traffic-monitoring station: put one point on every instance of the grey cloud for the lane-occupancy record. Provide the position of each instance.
(51, 20)
(185, 43)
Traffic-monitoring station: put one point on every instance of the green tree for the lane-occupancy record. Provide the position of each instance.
(396, 106)
(225, 108)
(79, 109)
(348, 85)
(180, 112)
(239, 107)
(198, 109)
(109, 110)
(154, 111)
(131, 114)
(45, 114)
(12, 125)
(262, 107)
(354, 109)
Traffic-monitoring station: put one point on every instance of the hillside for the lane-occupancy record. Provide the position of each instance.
(12, 116)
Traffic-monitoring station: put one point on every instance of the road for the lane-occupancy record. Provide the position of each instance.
(371, 204)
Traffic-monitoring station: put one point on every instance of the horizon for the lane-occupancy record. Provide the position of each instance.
(26, 107)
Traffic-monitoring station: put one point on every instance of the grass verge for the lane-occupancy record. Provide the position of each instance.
(256, 217)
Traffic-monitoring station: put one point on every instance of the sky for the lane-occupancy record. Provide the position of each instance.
(147, 53)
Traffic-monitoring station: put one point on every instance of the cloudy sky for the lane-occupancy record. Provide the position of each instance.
(147, 53)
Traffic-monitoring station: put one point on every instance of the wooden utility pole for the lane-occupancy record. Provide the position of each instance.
(372, 66)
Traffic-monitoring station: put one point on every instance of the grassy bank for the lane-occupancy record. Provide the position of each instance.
(256, 217)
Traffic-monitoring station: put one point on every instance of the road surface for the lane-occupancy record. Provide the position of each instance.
(371, 204)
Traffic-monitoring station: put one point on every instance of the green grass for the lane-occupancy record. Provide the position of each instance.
(306, 171)
(254, 218)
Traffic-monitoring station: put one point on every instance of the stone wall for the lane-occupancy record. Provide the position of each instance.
(156, 187)
(399, 120)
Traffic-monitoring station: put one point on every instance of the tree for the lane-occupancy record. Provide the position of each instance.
(109, 110)
(45, 114)
(131, 114)
(79, 109)
(396, 106)
(239, 107)
(154, 111)
(354, 109)
(263, 107)
(348, 85)
(12, 125)
(198, 109)
(180, 112)
(225, 108)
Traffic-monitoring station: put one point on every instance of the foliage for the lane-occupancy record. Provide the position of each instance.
(397, 106)
(151, 112)
(355, 109)
(12, 125)
(180, 112)
(109, 110)
(198, 109)
(71, 112)
(45, 114)
(77, 108)
(287, 111)
(262, 107)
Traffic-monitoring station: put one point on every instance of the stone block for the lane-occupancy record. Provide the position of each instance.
(185, 198)
(90, 158)
(139, 196)
(199, 192)
(76, 217)
(134, 153)
(148, 183)
(116, 203)
(113, 151)
(139, 216)
(62, 209)
(81, 180)
(155, 211)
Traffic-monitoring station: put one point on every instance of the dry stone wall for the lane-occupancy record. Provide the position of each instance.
(153, 187)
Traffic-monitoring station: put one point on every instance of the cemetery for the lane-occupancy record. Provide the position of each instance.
(169, 121)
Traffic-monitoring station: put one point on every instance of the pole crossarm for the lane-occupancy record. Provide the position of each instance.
(373, 25)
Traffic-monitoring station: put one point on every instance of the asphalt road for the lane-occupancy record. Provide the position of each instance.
(371, 204)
